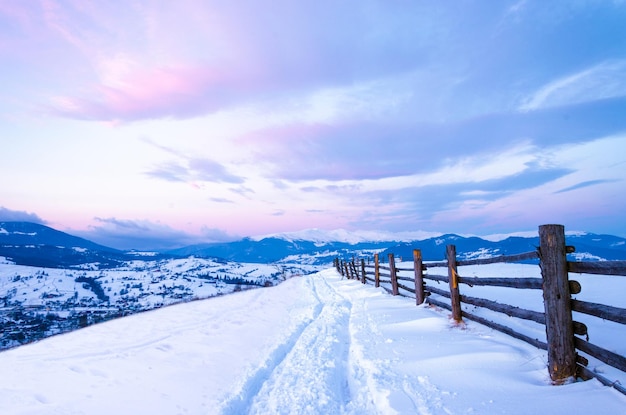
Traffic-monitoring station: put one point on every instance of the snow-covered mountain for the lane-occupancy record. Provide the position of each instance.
(321, 236)
(320, 247)
(34, 244)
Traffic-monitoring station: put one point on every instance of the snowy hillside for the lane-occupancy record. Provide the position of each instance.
(311, 345)
(37, 302)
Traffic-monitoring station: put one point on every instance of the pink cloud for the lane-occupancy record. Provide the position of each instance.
(156, 92)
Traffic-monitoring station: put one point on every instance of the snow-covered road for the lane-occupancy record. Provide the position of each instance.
(312, 345)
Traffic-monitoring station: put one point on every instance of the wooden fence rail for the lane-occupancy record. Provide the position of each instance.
(562, 341)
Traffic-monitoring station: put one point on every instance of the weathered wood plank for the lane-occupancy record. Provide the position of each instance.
(355, 274)
(438, 291)
(606, 356)
(605, 312)
(507, 309)
(440, 264)
(581, 329)
(386, 289)
(600, 267)
(588, 374)
(502, 258)
(506, 330)
(404, 287)
(441, 278)
(522, 283)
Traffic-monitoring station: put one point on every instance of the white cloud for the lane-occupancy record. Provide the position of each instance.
(605, 80)
(469, 170)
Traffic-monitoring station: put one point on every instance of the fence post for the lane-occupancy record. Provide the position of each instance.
(353, 270)
(393, 274)
(376, 271)
(419, 276)
(453, 277)
(345, 265)
(363, 270)
(556, 301)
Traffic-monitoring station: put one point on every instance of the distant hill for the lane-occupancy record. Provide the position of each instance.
(321, 250)
(589, 247)
(277, 249)
(27, 243)
(28, 233)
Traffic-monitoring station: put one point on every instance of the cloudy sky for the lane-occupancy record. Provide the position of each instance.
(207, 120)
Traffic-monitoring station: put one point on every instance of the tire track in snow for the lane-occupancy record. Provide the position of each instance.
(240, 403)
(377, 385)
(307, 373)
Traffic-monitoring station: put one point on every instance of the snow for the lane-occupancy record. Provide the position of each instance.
(316, 344)
(145, 283)
(497, 237)
(321, 236)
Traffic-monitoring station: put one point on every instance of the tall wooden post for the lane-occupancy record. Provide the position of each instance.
(393, 274)
(363, 270)
(419, 276)
(345, 265)
(376, 271)
(455, 296)
(556, 300)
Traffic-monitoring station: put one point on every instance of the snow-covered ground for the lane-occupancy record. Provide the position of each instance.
(316, 344)
(145, 284)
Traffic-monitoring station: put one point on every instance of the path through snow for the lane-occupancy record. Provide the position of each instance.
(313, 345)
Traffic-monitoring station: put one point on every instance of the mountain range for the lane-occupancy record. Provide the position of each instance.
(28, 243)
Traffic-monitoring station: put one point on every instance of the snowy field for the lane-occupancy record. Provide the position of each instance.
(312, 345)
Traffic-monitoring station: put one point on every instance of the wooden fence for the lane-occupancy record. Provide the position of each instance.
(562, 332)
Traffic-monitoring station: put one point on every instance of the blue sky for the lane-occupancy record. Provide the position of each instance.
(155, 123)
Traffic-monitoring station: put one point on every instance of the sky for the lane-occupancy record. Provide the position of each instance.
(153, 123)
